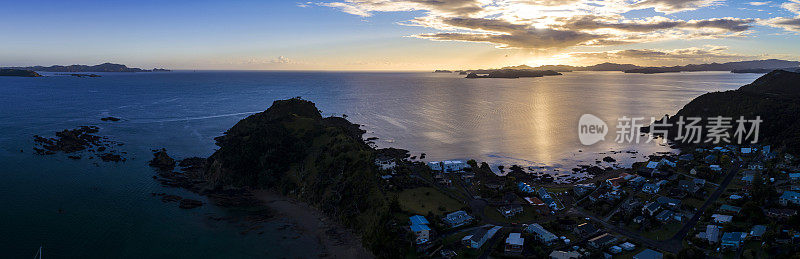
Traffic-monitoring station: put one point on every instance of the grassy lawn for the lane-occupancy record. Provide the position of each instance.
(693, 202)
(427, 199)
(528, 214)
(664, 232)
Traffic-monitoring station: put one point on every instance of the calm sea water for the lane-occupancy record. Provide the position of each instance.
(76, 208)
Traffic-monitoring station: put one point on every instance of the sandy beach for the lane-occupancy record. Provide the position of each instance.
(336, 240)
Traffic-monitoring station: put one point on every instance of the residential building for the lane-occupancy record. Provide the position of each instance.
(479, 237)
(602, 241)
(757, 231)
(565, 255)
(585, 229)
(667, 201)
(421, 233)
(541, 234)
(789, 197)
(454, 165)
(514, 243)
(627, 246)
(650, 188)
(509, 211)
(781, 213)
(732, 240)
(688, 186)
(711, 234)
(722, 219)
(458, 218)
(435, 166)
(524, 187)
(418, 220)
(651, 208)
(715, 168)
(665, 216)
(616, 183)
(649, 254)
(794, 177)
(729, 208)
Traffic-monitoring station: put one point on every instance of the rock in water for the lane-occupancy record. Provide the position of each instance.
(162, 161)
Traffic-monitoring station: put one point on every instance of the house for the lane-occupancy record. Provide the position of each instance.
(781, 213)
(583, 189)
(746, 150)
(541, 234)
(585, 229)
(457, 219)
(652, 165)
(710, 159)
(479, 237)
(665, 216)
(789, 197)
(509, 211)
(699, 182)
(756, 166)
(637, 181)
(651, 208)
(715, 168)
(638, 219)
(711, 234)
(454, 165)
(794, 177)
(550, 202)
(662, 183)
(565, 255)
(602, 240)
(650, 188)
(435, 166)
(666, 162)
(757, 231)
(514, 243)
(419, 226)
(421, 233)
(418, 220)
(524, 187)
(616, 183)
(686, 157)
(722, 219)
(648, 254)
(729, 208)
(386, 164)
(627, 246)
(543, 193)
(667, 201)
(732, 240)
(615, 250)
(688, 186)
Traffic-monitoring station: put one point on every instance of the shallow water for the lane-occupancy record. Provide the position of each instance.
(107, 209)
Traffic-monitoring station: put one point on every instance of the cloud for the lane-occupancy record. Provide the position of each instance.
(367, 7)
(673, 6)
(789, 24)
(786, 23)
(545, 24)
(759, 3)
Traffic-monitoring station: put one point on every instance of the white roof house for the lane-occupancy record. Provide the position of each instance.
(720, 218)
(515, 239)
(541, 233)
(435, 166)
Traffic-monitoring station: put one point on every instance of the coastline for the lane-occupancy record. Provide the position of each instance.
(336, 240)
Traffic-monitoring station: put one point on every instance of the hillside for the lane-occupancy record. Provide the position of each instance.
(292, 149)
(105, 67)
(775, 97)
(18, 72)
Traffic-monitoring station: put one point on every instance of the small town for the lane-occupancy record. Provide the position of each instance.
(706, 202)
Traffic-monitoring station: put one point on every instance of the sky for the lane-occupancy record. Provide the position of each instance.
(395, 34)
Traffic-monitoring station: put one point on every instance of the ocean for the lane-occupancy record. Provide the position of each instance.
(90, 208)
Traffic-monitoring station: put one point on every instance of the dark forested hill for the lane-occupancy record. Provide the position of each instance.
(325, 162)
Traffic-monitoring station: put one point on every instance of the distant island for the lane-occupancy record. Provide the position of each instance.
(105, 67)
(18, 72)
(753, 66)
